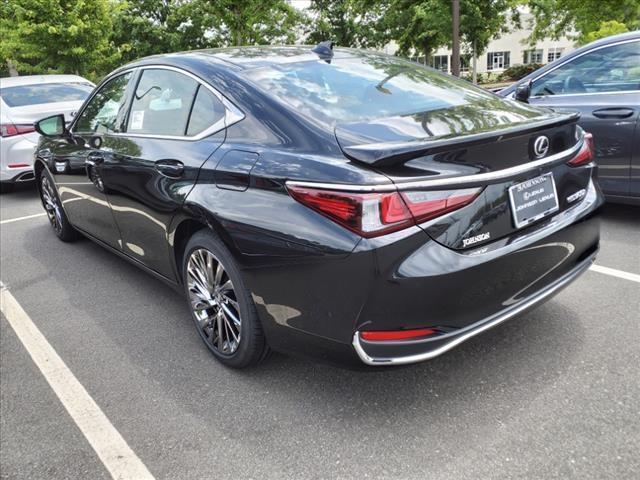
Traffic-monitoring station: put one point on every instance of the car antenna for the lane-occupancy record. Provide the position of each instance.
(324, 50)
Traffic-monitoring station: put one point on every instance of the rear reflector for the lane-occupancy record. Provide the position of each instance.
(391, 335)
(375, 214)
(11, 130)
(586, 153)
(18, 165)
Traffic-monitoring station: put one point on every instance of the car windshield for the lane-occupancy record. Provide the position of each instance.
(361, 88)
(24, 95)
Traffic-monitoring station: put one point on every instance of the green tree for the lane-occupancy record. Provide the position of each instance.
(349, 23)
(56, 36)
(419, 27)
(612, 27)
(555, 18)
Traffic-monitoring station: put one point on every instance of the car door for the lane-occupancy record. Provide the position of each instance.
(604, 85)
(76, 161)
(175, 123)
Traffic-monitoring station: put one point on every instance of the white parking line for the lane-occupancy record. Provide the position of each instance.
(616, 273)
(107, 442)
(27, 217)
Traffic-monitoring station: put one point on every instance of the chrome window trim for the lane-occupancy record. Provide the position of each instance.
(463, 180)
(569, 60)
(231, 116)
(480, 327)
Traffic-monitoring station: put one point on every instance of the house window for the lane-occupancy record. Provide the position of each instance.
(440, 62)
(532, 56)
(554, 54)
(498, 60)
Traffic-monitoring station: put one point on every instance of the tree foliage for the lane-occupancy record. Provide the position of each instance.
(56, 36)
(554, 18)
(349, 23)
(606, 29)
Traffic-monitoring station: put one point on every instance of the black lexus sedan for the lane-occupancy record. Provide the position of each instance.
(333, 203)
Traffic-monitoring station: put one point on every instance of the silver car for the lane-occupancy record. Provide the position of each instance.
(23, 101)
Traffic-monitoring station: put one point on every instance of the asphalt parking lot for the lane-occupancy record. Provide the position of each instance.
(552, 394)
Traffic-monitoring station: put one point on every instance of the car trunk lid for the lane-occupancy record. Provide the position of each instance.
(436, 153)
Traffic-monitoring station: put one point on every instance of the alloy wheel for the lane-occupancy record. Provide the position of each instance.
(214, 301)
(51, 204)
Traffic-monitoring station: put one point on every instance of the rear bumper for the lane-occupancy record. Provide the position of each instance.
(16, 150)
(431, 348)
(482, 289)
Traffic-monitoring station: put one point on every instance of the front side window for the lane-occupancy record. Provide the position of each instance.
(610, 69)
(104, 109)
(162, 103)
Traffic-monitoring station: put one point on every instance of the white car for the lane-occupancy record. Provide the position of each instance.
(23, 101)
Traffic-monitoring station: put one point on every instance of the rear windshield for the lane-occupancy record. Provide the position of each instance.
(360, 88)
(25, 95)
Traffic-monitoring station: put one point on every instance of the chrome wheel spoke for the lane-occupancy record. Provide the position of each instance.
(228, 313)
(213, 301)
(231, 301)
(226, 287)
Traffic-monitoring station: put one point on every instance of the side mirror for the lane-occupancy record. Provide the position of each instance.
(52, 126)
(523, 92)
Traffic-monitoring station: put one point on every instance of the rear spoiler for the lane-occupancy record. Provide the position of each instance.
(384, 154)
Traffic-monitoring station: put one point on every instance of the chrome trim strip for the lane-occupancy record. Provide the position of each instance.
(455, 341)
(232, 113)
(478, 178)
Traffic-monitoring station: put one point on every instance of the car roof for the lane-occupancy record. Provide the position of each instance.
(579, 51)
(40, 79)
(243, 58)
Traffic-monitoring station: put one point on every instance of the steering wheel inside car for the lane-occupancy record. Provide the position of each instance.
(573, 85)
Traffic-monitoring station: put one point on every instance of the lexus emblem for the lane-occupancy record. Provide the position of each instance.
(541, 146)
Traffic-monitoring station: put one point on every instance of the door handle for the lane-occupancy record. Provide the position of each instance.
(94, 159)
(613, 112)
(170, 168)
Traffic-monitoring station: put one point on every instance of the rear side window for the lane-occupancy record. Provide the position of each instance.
(162, 103)
(207, 110)
(25, 95)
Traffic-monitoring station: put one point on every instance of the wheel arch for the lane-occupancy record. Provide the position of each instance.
(186, 225)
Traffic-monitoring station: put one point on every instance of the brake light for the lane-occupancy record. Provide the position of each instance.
(375, 214)
(11, 130)
(368, 214)
(427, 205)
(391, 335)
(585, 154)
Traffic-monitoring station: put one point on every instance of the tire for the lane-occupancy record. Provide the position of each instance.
(53, 208)
(220, 302)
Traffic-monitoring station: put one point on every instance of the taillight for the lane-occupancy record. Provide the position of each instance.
(375, 214)
(585, 154)
(11, 130)
(368, 214)
(396, 335)
(427, 205)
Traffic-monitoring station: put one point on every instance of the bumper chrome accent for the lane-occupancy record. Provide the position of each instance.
(478, 327)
